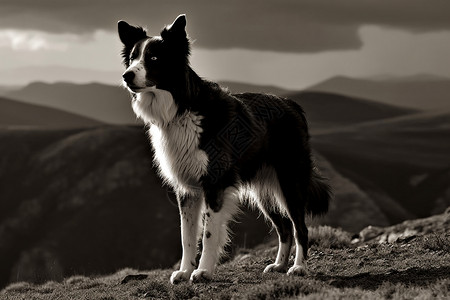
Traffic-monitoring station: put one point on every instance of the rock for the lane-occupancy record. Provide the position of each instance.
(370, 232)
(133, 277)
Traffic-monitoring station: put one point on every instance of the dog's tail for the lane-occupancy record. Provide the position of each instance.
(318, 195)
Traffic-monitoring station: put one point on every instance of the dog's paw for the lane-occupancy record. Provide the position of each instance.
(275, 268)
(297, 270)
(179, 276)
(201, 275)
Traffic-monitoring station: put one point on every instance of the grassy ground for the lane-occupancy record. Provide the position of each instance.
(413, 265)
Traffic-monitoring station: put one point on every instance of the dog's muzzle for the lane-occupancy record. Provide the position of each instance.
(128, 77)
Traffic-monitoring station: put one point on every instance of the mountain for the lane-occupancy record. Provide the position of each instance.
(52, 74)
(413, 92)
(357, 206)
(106, 103)
(328, 110)
(415, 77)
(4, 89)
(405, 158)
(111, 104)
(95, 184)
(14, 113)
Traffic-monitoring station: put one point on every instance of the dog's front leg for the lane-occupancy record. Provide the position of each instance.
(220, 208)
(190, 211)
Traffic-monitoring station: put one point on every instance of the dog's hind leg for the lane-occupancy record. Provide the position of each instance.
(296, 212)
(294, 191)
(190, 212)
(301, 245)
(283, 226)
(219, 211)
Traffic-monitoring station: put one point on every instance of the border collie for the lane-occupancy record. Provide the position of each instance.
(217, 149)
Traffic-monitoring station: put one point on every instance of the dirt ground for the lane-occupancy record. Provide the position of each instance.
(406, 261)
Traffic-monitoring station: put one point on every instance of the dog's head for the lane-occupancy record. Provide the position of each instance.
(154, 62)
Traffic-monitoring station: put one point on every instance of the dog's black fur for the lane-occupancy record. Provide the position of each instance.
(240, 134)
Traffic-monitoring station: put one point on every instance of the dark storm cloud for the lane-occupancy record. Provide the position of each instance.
(283, 25)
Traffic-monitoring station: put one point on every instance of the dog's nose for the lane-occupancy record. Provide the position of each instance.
(128, 76)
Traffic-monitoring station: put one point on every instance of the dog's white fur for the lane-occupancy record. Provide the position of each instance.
(215, 234)
(265, 187)
(191, 230)
(177, 154)
(175, 139)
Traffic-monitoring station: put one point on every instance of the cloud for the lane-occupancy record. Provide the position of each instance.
(384, 51)
(283, 25)
(406, 54)
(34, 40)
(100, 50)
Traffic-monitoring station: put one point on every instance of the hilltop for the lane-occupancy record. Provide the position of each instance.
(17, 114)
(413, 262)
(406, 158)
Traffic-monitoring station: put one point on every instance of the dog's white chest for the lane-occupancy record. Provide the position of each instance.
(181, 162)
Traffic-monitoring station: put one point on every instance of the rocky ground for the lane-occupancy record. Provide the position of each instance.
(405, 261)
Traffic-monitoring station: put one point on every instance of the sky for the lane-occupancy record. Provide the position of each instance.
(288, 43)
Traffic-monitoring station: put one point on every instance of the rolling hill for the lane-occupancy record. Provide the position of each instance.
(95, 184)
(398, 156)
(4, 89)
(326, 110)
(14, 113)
(108, 104)
(424, 93)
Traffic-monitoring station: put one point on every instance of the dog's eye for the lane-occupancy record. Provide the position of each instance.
(153, 58)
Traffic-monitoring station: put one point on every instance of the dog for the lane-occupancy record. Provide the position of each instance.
(218, 150)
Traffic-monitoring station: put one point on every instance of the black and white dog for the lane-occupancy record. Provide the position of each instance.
(217, 149)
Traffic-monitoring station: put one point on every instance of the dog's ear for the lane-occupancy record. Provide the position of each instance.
(129, 34)
(176, 29)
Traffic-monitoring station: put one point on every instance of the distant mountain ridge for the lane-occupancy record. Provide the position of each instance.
(17, 114)
(106, 103)
(111, 104)
(26, 75)
(328, 110)
(412, 92)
